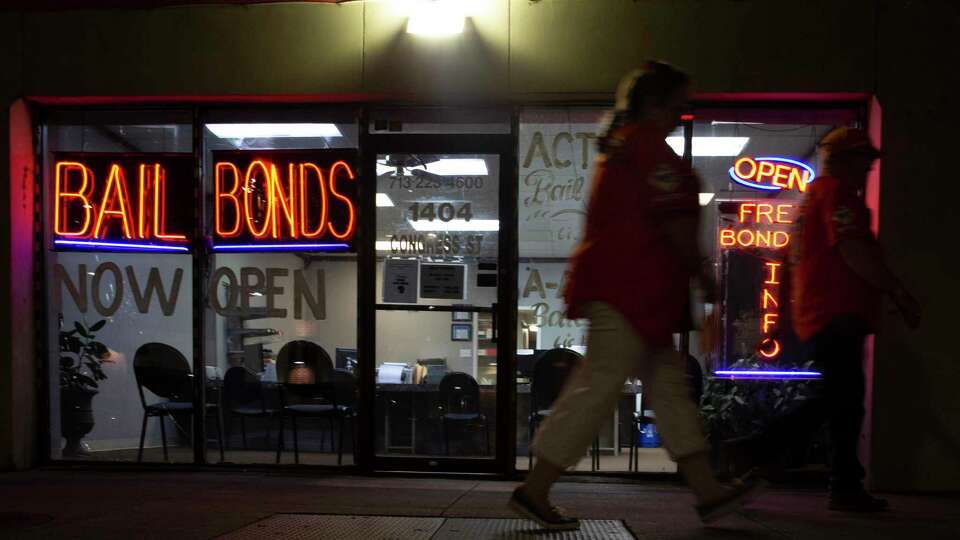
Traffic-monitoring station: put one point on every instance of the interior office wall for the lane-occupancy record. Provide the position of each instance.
(405, 336)
(338, 328)
(915, 431)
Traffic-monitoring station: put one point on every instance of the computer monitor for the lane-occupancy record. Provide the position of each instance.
(253, 357)
(346, 359)
(436, 369)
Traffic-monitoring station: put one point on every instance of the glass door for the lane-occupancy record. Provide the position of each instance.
(437, 400)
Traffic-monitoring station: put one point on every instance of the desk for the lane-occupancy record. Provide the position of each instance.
(420, 404)
(410, 416)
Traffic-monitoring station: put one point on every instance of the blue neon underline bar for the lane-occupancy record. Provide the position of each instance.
(745, 373)
(120, 245)
(274, 247)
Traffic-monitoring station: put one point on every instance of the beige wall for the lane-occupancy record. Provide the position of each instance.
(523, 51)
(510, 48)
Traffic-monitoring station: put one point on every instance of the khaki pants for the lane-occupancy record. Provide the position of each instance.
(614, 353)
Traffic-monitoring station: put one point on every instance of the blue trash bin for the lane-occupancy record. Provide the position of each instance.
(648, 436)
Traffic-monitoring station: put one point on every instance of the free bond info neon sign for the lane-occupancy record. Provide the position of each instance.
(121, 201)
(284, 200)
(763, 226)
(772, 173)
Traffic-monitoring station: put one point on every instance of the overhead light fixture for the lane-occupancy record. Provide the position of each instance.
(436, 18)
(444, 167)
(384, 200)
(731, 123)
(705, 198)
(710, 146)
(273, 131)
(456, 225)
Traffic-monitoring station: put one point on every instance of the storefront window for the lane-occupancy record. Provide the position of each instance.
(280, 322)
(117, 225)
(756, 166)
(557, 149)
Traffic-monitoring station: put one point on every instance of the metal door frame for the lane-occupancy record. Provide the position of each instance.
(503, 145)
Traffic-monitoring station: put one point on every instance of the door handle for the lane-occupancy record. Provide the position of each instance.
(494, 324)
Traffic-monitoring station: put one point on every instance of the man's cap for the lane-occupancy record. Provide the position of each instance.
(846, 140)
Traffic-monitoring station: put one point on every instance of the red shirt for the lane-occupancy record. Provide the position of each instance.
(625, 258)
(824, 287)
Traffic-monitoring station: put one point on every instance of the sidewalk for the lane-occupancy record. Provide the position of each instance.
(186, 505)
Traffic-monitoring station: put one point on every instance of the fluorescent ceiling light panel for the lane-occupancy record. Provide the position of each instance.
(705, 198)
(383, 245)
(456, 225)
(384, 200)
(273, 131)
(710, 146)
(732, 123)
(444, 167)
(436, 18)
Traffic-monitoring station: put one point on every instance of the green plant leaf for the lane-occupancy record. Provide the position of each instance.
(98, 325)
(80, 329)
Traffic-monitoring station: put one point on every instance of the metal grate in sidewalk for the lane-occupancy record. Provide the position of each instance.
(517, 529)
(315, 527)
(341, 527)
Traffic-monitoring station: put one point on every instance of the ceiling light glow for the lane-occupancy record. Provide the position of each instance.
(710, 146)
(436, 18)
(456, 225)
(273, 131)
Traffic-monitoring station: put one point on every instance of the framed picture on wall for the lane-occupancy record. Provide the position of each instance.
(462, 316)
(461, 332)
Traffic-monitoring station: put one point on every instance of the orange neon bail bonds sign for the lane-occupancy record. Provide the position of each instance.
(122, 201)
(276, 200)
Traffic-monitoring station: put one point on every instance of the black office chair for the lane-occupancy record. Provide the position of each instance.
(243, 398)
(305, 373)
(550, 374)
(460, 404)
(345, 398)
(162, 370)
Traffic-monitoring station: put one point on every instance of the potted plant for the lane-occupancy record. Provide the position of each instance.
(81, 368)
(737, 408)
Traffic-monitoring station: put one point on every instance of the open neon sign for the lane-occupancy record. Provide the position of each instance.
(772, 173)
(120, 201)
(284, 200)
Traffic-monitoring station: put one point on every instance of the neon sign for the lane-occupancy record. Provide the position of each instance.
(765, 228)
(276, 200)
(772, 173)
(118, 202)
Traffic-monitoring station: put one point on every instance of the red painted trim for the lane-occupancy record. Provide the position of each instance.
(61, 5)
(229, 98)
(817, 97)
